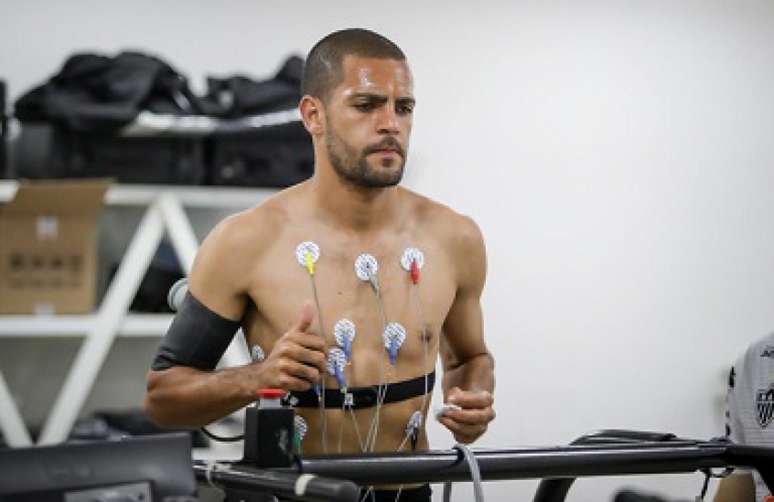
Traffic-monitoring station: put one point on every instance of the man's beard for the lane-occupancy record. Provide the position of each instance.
(355, 169)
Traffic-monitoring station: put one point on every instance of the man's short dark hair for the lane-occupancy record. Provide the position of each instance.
(323, 67)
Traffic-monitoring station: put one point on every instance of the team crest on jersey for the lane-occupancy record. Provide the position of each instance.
(768, 351)
(764, 404)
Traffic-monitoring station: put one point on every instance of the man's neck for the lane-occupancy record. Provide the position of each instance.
(359, 209)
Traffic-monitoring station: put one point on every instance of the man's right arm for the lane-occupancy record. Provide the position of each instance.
(187, 396)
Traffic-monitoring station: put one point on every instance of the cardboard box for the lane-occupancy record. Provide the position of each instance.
(48, 247)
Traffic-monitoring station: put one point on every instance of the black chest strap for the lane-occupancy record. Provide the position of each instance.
(364, 397)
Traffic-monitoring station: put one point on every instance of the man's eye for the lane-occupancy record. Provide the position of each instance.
(405, 109)
(364, 107)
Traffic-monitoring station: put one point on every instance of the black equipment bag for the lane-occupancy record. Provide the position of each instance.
(272, 156)
(96, 93)
(240, 96)
(71, 125)
(276, 155)
(75, 125)
(51, 151)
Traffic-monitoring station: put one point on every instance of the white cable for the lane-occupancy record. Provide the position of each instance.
(357, 430)
(341, 425)
(212, 466)
(411, 255)
(383, 385)
(344, 332)
(301, 483)
(307, 254)
(367, 493)
(475, 474)
(323, 414)
(366, 268)
(415, 422)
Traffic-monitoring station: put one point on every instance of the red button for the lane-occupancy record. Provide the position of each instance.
(271, 393)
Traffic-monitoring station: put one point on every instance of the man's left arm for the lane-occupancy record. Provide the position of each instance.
(468, 379)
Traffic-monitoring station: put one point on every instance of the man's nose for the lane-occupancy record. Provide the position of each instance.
(388, 121)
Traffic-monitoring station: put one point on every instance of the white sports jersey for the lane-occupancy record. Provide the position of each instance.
(750, 403)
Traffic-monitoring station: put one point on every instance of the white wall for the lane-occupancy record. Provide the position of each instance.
(617, 156)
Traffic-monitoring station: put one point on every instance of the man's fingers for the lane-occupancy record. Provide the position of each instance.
(307, 340)
(473, 431)
(472, 416)
(470, 422)
(300, 370)
(470, 398)
(289, 382)
(313, 358)
(463, 432)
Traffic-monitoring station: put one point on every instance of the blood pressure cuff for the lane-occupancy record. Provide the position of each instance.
(198, 337)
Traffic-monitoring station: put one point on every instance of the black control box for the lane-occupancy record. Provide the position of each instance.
(269, 435)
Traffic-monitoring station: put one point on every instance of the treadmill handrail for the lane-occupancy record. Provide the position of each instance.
(648, 457)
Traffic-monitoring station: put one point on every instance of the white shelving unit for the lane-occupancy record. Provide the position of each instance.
(68, 326)
(164, 213)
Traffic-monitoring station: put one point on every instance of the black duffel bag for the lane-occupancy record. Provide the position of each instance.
(261, 142)
(72, 125)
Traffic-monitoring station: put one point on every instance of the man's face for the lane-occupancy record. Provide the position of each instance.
(368, 121)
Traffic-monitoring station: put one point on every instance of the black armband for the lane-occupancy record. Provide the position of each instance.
(197, 337)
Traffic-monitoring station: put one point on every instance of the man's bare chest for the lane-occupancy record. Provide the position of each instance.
(395, 291)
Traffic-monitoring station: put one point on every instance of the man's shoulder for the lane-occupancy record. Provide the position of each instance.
(441, 219)
(236, 244)
(458, 234)
(439, 215)
(252, 229)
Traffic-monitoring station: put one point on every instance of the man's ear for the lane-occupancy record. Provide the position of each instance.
(313, 115)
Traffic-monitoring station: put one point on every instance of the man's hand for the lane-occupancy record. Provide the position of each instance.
(471, 421)
(297, 359)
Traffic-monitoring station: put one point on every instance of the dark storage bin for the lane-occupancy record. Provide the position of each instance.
(273, 156)
(49, 151)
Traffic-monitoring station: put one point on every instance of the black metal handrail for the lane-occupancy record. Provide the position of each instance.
(569, 461)
(602, 454)
(556, 489)
(288, 485)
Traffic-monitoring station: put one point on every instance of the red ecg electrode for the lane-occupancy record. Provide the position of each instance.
(414, 272)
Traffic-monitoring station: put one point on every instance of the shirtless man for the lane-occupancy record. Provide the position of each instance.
(358, 106)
